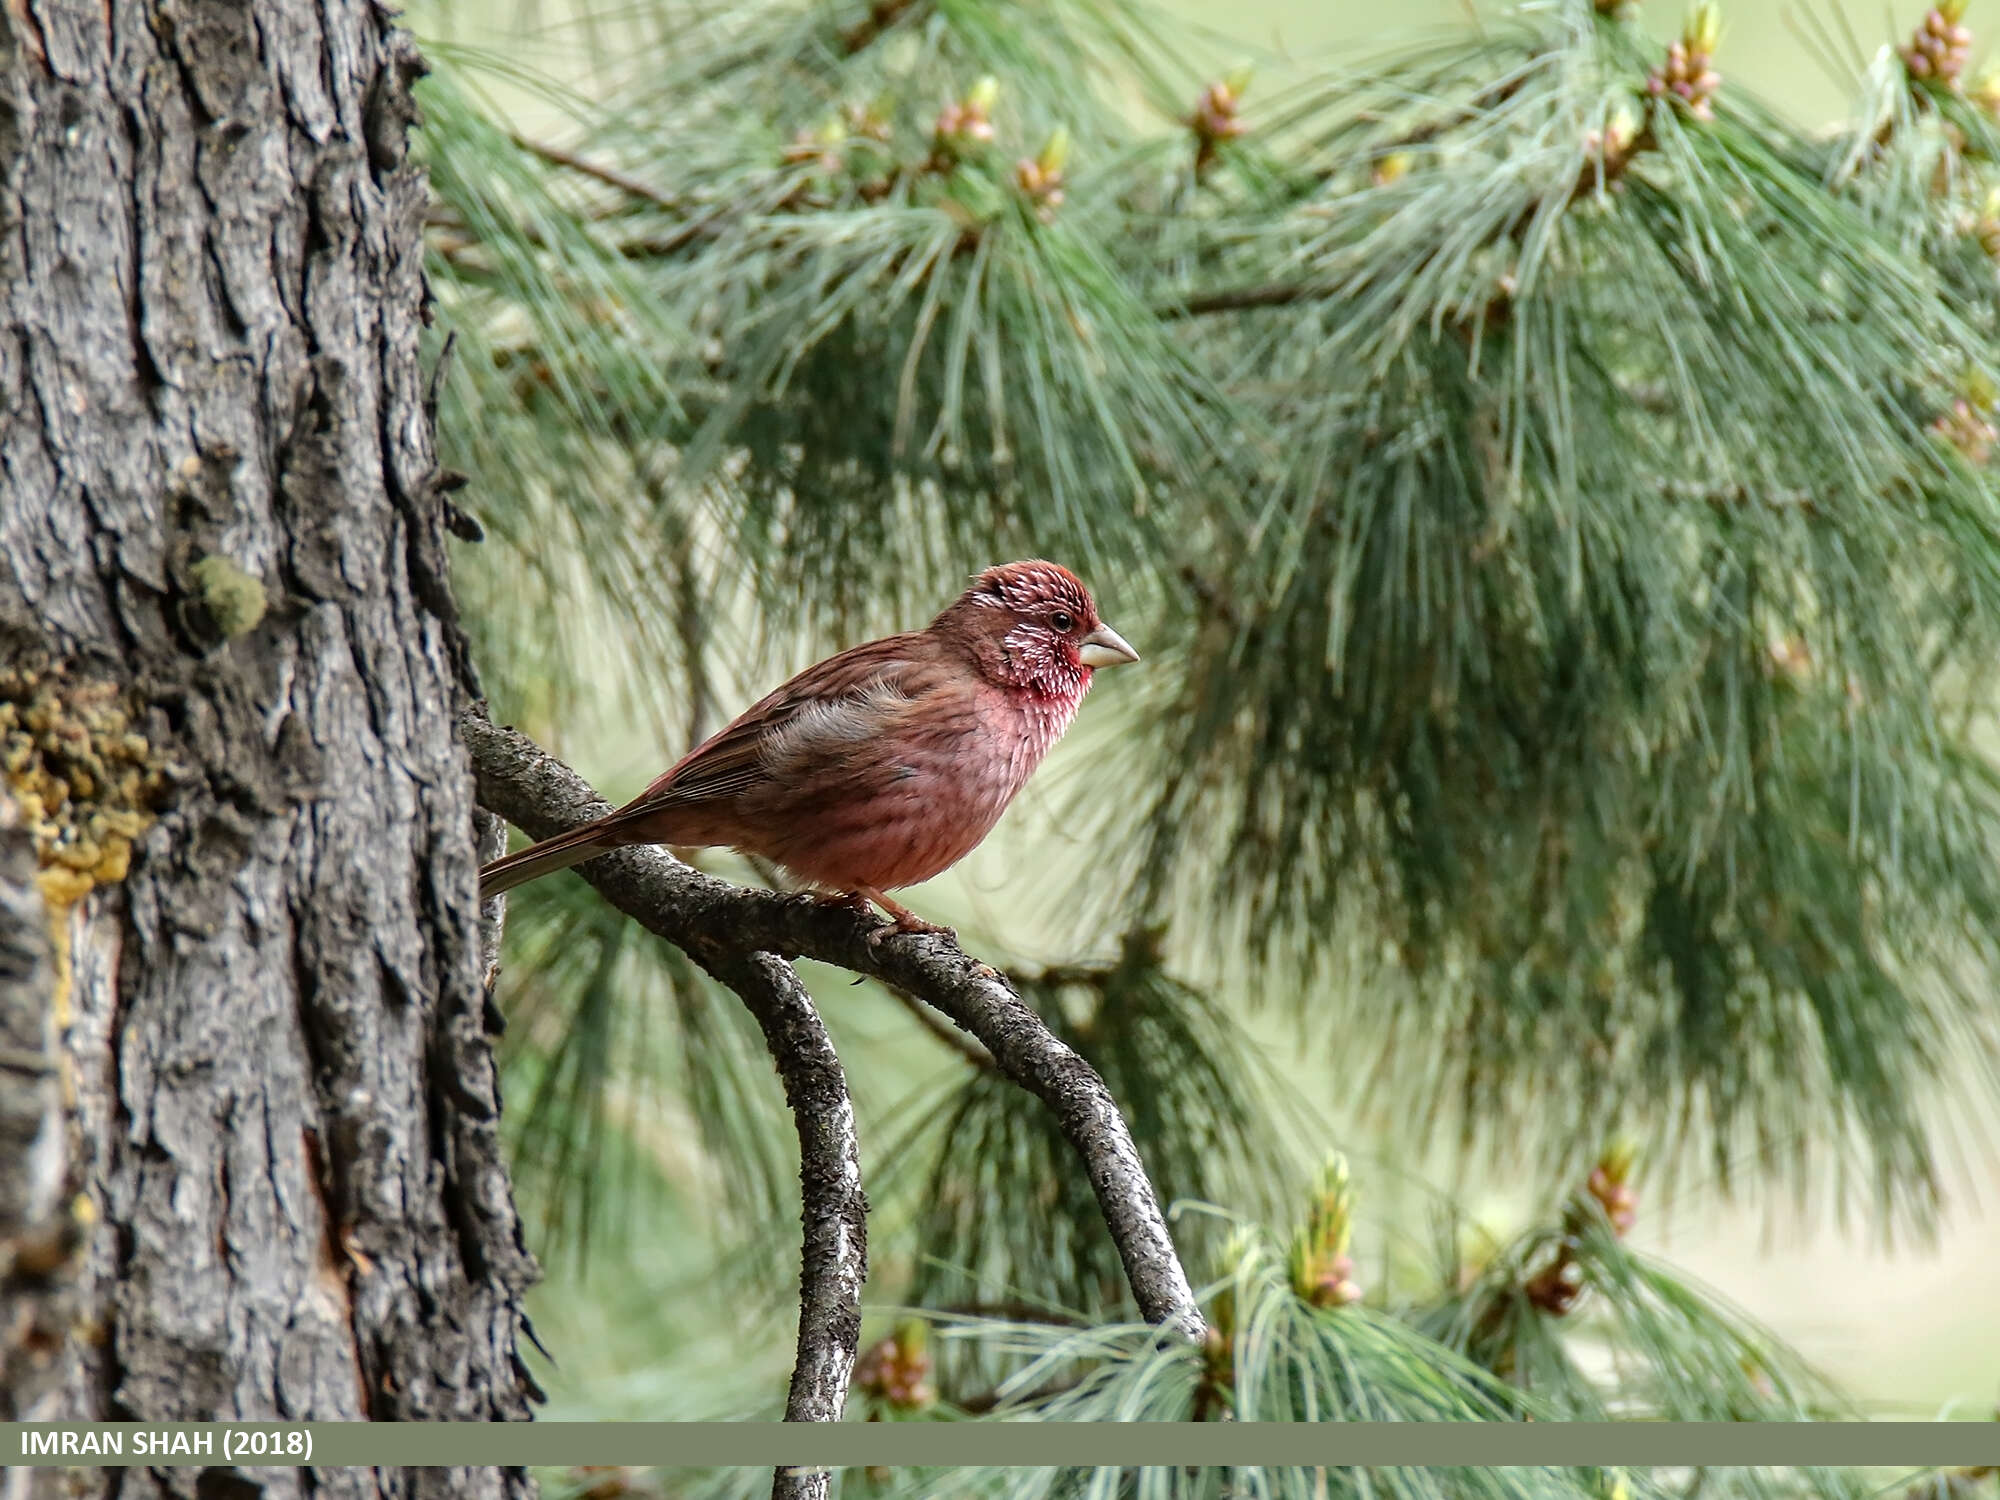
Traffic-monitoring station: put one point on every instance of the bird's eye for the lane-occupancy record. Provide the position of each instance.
(1062, 621)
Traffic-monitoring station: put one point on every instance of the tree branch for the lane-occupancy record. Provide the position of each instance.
(1599, 170)
(717, 924)
(882, 14)
(695, 223)
(1243, 299)
(598, 171)
(833, 1263)
(833, 1210)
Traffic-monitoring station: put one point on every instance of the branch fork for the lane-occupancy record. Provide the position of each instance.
(746, 938)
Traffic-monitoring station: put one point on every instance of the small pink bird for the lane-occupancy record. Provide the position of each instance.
(884, 765)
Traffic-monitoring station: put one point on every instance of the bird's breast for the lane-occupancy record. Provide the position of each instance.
(975, 762)
(925, 795)
(1035, 725)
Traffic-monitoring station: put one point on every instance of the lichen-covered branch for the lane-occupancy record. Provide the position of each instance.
(833, 1263)
(717, 923)
(834, 1211)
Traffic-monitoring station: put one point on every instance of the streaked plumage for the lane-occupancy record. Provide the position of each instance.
(885, 765)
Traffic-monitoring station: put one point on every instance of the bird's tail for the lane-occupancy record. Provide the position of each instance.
(572, 848)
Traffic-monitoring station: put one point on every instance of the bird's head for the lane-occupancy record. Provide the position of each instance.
(1033, 626)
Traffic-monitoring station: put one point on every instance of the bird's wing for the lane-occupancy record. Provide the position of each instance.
(822, 715)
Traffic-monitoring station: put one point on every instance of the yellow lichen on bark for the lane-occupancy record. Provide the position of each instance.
(85, 784)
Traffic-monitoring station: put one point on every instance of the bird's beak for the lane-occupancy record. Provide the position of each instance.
(1105, 647)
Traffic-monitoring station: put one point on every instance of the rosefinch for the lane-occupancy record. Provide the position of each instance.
(884, 765)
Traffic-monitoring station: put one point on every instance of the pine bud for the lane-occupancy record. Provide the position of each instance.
(1609, 1183)
(1609, 151)
(1055, 152)
(1969, 428)
(869, 121)
(1322, 1271)
(1390, 168)
(967, 124)
(1242, 1255)
(818, 147)
(897, 1370)
(1242, 1252)
(1040, 178)
(1556, 1288)
(1687, 75)
(1215, 118)
(610, 1482)
(1704, 29)
(1941, 47)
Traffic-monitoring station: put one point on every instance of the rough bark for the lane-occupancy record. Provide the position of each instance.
(218, 507)
(714, 922)
(37, 1234)
(832, 1207)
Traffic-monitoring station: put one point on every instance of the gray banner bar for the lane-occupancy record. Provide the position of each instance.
(960, 1444)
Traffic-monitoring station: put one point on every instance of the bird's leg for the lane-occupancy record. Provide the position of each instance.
(906, 920)
(852, 900)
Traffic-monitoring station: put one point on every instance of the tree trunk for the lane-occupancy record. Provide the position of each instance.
(263, 1177)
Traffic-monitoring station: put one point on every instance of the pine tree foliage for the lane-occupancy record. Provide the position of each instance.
(623, 1050)
(1647, 604)
(1553, 493)
(1217, 1126)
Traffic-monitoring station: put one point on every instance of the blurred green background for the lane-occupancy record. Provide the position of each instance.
(1910, 1327)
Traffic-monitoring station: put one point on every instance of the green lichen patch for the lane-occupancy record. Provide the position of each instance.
(235, 600)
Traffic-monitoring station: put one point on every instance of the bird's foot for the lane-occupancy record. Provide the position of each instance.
(903, 920)
(910, 923)
(849, 900)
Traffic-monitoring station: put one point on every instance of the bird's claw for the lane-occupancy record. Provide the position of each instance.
(911, 924)
(901, 919)
(844, 902)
